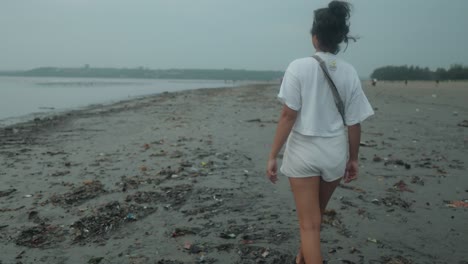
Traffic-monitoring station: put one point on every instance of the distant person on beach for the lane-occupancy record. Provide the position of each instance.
(319, 151)
(374, 82)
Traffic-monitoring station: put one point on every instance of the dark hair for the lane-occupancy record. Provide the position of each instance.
(331, 26)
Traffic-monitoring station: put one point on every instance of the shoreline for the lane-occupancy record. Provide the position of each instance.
(179, 178)
(9, 121)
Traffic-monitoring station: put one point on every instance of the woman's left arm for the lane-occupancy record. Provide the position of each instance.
(285, 124)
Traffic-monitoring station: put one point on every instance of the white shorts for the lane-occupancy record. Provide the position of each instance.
(307, 156)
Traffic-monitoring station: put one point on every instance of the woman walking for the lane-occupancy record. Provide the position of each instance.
(321, 96)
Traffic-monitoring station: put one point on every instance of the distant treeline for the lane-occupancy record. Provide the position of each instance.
(225, 74)
(400, 73)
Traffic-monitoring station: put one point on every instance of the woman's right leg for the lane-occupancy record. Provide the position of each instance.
(306, 195)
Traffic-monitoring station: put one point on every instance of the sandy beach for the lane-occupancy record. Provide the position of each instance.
(180, 178)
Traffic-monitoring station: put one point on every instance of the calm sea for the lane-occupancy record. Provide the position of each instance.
(24, 98)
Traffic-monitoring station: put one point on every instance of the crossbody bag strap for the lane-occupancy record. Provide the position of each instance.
(338, 102)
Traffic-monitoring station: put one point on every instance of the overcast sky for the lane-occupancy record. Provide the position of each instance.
(239, 34)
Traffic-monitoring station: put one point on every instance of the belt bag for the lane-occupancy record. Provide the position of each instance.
(338, 102)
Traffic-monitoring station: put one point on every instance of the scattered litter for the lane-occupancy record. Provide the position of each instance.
(225, 247)
(368, 144)
(106, 219)
(59, 173)
(41, 236)
(417, 180)
(373, 240)
(458, 204)
(20, 255)
(95, 260)
(391, 201)
(79, 195)
(401, 186)
(464, 123)
(7, 192)
(395, 260)
(34, 217)
(258, 120)
(163, 261)
(178, 232)
(227, 236)
(398, 162)
(193, 248)
(131, 217)
(376, 158)
(349, 187)
(187, 245)
(28, 196)
(176, 154)
(176, 196)
(354, 250)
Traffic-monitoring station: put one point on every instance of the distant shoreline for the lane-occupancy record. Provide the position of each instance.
(145, 73)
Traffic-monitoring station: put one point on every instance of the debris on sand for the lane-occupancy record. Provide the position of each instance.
(41, 236)
(348, 187)
(193, 248)
(330, 217)
(391, 201)
(33, 216)
(401, 186)
(376, 158)
(417, 180)
(255, 254)
(458, 204)
(176, 196)
(463, 123)
(395, 260)
(106, 219)
(178, 232)
(398, 162)
(144, 197)
(60, 173)
(139, 259)
(79, 195)
(228, 235)
(7, 192)
(225, 247)
(368, 144)
(95, 260)
(163, 261)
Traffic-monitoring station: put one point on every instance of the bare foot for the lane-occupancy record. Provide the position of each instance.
(300, 258)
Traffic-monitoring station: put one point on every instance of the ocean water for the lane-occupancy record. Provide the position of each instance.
(24, 98)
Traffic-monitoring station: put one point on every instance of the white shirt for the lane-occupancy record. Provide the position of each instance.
(305, 89)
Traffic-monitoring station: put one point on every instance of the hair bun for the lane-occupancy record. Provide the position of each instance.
(340, 9)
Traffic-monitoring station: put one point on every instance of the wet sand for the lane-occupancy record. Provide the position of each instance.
(179, 178)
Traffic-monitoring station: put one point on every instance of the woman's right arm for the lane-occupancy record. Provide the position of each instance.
(284, 127)
(354, 138)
